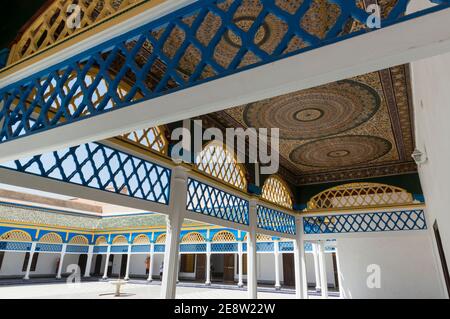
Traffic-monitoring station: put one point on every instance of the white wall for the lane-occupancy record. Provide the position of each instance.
(431, 91)
(407, 267)
(137, 265)
(12, 264)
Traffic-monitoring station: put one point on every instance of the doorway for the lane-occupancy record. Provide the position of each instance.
(200, 267)
(123, 265)
(82, 260)
(228, 268)
(288, 270)
(110, 265)
(98, 265)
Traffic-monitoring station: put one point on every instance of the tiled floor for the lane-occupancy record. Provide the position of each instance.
(134, 290)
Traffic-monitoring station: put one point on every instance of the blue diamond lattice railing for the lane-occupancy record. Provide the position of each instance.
(211, 201)
(98, 166)
(224, 247)
(15, 246)
(48, 247)
(274, 220)
(365, 222)
(140, 249)
(160, 248)
(77, 249)
(100, 249)
(194, 248)
(206, 40)
(119, 249)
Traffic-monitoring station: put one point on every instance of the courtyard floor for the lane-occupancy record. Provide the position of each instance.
(132, 290)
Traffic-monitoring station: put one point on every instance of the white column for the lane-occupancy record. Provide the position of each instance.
(276, 255)
(90, 255)
(108, 253)
(127, 271)
(301, 290)
(339, 276)
(240, 264)
(208, 264)
(27, 273)
(323, 270)
(178, 196)
(316, 265)
(252, 284)
(61, 261)
(150, 268)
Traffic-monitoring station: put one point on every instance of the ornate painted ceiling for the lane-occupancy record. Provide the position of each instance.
(355, 128)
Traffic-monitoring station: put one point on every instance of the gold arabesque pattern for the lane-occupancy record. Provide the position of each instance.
(120, 240)
(16, 235)
(79, 240)
(161, 239)
(218, 162)
(141, 240)
(51, 238)
(260, 237)
(276, 191)
(360, 195)
(101, 241)
(193, 237)
(224, 236)
(51, 26)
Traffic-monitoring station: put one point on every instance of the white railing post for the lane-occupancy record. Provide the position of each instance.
(316, 265)
(30, 259)
(301, 291)
(61, 261)
(323, 270)
(90, 255)
(127, 271)
(152, 262)
(276, 255)
(240, 265)
(108, 253)
(252, 280)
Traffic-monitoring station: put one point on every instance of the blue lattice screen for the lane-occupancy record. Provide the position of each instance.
(98, 166)
(275, 220)
(206, 40)
(15, 245)
(140, 249)
(368, 222)
(211, 201)
(100, 249)
(77, 249)
(194, 248)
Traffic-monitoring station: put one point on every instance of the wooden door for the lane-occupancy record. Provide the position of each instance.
(228, 268)
(288, 270)
(82, 260)
(200, 267)
(123, 265)
(110, 265)
(98, 265)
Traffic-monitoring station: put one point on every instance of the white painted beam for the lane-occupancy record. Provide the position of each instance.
(408, 41)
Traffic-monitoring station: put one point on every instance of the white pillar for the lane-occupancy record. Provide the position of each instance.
(61, 261)
(174, 222)
(323, 270)
(108, 253)
(127, 271)
(90, 255)
(339, 276)
(27, 273)
(240, 264)
(208, 264)
(150, 268)
(301, 289)
(252, 283)
(276, 255)
(316, 265)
